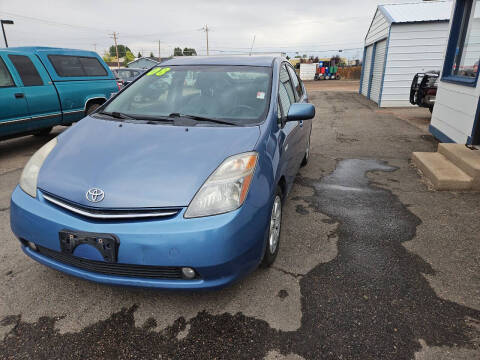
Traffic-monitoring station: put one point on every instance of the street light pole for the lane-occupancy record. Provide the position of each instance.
(8, 22)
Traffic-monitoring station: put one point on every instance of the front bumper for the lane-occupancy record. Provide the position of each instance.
(220, 248)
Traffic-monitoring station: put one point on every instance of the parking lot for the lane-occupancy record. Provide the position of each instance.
(372, 264)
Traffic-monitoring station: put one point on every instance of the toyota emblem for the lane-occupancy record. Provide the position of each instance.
(95, 195)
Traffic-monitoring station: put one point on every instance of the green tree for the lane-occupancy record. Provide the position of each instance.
(189, 52)
(106, 57)
(288, 57)
(151, 54)
(139, 55)
(122, 50)
(128, 57)
(177, 52)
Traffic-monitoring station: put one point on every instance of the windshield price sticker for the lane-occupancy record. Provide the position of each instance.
(158, 71)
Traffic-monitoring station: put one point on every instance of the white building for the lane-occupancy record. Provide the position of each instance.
(455, 120)
(457, 108)
(403, 39)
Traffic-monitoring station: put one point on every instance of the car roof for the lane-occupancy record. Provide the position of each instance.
(262, 60)
(48, 49)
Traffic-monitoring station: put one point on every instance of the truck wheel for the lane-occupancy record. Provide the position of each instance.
(91, 108)
(273, 241)
(43, 132)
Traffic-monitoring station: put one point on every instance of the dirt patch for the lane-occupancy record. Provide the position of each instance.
(333, 85)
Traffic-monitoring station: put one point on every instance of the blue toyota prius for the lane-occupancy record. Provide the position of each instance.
(177, 182)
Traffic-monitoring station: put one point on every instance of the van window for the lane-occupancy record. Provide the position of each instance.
(77, 66)
(5, 77)
(27, 71)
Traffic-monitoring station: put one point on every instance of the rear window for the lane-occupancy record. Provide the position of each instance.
(77, 66)
(27, 71)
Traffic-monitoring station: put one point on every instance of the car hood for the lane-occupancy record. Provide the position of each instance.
(139, 165)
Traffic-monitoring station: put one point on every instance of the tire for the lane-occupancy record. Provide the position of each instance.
(43, 132)
(307, 154)
(273, 242)
(91, 108)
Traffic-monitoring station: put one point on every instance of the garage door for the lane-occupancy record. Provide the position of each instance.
(366, 69)
(378, 70)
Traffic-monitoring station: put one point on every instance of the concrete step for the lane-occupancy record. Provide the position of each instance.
(466, 159)
(443, 174)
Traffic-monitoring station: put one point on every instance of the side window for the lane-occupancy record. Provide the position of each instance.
(5, 77)
(296, 82)
(92, 67)
(27, 71)
(74, 66)
(285, 91)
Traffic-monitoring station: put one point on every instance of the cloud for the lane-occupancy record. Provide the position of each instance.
(311, 27)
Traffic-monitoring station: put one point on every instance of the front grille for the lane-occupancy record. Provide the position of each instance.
(141, 271)
(110, 214)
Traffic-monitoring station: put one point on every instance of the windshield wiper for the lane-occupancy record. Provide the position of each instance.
(201, 118)
(118, 115)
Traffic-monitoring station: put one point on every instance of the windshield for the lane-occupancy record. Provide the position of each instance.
(239, 94)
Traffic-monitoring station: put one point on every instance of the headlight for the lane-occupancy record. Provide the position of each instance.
(226, 189)
(28, 180)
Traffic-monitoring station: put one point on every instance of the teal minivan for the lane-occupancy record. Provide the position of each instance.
(41, 87)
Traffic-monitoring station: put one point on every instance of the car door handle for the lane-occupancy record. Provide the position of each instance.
(19, 95)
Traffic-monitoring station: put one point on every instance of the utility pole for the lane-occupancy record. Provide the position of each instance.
(253, 42)
(7, 22)
(206, 32)
(116, 47)
(159, 54)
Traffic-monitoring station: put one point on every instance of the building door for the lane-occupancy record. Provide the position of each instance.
(366, 70)
(378, 68)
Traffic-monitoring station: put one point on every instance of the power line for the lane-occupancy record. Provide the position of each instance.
(52, 22)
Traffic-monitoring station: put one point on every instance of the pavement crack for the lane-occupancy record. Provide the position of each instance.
(295, 275)
(5, 209)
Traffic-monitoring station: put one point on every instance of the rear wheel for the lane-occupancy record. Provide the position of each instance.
(43, 132)
(273, 240)
(91, 108)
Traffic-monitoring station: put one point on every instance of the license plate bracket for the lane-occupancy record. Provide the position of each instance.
(106, 244)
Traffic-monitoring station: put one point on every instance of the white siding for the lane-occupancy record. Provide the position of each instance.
(412, 48)
(366, 69)
(378, 29)
(454, 111)
(378, 70)
(307, 71)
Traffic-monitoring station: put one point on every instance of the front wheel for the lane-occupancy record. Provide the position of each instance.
(307, 155)
(273, 240)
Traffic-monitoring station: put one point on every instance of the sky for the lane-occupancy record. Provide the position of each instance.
(318, 28)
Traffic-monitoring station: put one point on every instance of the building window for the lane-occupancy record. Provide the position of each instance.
(463, 52)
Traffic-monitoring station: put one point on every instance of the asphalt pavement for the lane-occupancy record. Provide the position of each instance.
(372, 265)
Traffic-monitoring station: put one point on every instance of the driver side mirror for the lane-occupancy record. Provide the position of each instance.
(301, 111)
